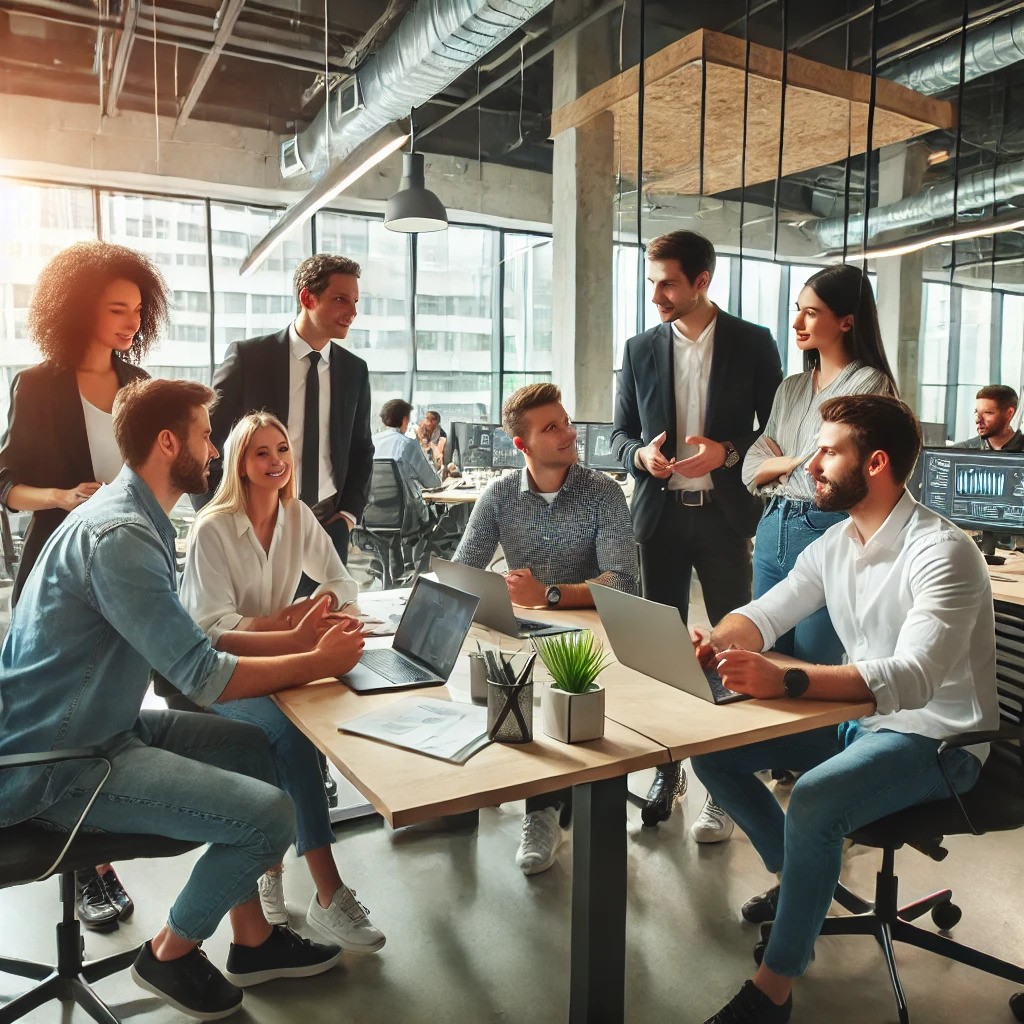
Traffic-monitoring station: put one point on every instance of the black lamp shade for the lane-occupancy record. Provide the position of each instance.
(414, 207)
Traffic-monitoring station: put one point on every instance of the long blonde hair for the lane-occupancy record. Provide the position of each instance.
(233, 489)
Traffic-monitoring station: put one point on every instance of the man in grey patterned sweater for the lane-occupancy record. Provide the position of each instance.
(559, 526)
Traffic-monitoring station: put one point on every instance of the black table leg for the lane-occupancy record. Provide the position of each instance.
(598, 953)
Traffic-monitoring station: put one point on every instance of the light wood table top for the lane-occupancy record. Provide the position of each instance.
(1003, 587)
(453, 495)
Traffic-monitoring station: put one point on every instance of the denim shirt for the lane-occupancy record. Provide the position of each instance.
(98, 611)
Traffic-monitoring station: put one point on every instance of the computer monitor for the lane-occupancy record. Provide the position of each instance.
(598, 452)
(484, 446)
(504, 454)
(977, 490)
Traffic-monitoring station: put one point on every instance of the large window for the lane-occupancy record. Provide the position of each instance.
(527, 306)
(933, 355)
(1012, 348)
(975, 355)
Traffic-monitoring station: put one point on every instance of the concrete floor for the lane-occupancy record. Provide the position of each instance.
(472, 941)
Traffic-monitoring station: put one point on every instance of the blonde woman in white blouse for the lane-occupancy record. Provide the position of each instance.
(246, 553)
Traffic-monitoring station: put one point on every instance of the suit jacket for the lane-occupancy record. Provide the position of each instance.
(745, 373)
(46, 445)
(254, 375)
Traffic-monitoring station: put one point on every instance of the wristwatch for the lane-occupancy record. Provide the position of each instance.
(795, 682)
(553, 595)
(731, 455)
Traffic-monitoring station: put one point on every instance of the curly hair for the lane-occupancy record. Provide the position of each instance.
(69, 286)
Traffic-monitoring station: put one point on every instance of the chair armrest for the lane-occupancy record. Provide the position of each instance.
(53, 757)
(968, 739)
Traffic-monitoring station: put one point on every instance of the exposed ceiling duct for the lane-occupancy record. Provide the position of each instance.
(988, 49)
(435, 42)
(975, 191)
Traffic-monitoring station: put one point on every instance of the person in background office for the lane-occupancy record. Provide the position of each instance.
(432, 437)
(909, 596)
(836, 327)
(559, 525)
(246, 551)
(687, 398)
(75, 668)
(995, 405)
(392, 443)
(320, 390)
(95, 312)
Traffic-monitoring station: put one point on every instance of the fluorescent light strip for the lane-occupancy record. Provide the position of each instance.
(993, 227)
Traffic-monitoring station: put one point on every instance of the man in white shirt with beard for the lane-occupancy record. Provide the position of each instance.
(909, 595)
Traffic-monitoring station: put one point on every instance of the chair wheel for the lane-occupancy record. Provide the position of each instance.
(946, 916)
(759, 952)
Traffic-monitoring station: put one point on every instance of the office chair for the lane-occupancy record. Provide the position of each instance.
(396, 523)
(995, 804)
(32, 854)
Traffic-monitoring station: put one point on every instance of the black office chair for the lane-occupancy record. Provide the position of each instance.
(32, 854)
(396, 526)
(995, 804)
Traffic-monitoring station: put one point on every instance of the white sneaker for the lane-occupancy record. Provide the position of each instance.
(542, 836)
(271, 887)
(713, 825)
(345, 922)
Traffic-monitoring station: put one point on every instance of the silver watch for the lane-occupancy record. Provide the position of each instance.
(553, 595)
(731, 455)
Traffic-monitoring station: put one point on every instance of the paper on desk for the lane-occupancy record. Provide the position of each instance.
(445, 729)
(382, 611)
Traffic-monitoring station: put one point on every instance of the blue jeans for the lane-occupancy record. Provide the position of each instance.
(296, 766)
(198, 778)
(852, 776)
(785, 529)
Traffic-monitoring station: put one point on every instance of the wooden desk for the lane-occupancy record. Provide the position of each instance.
(1003, 589)
(453, 496)
(648, 723)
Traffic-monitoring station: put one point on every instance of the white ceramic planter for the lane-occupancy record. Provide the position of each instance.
(573, 717)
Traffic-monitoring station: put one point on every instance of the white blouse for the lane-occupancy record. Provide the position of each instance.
(229, 577)
(103, 451)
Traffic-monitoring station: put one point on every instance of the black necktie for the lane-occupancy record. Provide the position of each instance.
(310, 492)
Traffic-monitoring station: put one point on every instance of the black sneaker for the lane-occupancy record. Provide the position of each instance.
(751, 1006)
(284, 955)
(117, 895)
(759, 909)
(191, 984)
(1017, 1005)
(92, 904)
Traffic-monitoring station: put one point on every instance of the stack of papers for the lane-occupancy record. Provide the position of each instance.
(445, 729)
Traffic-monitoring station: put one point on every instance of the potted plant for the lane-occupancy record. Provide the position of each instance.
(572, 709)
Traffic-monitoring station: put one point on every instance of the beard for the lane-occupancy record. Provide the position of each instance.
(188, 474)
(841, 494)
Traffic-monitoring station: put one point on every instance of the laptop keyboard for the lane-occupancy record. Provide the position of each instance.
(393, 666)
(531, 625)
(718, 688)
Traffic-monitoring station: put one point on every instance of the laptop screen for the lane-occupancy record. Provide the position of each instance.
(435, 624)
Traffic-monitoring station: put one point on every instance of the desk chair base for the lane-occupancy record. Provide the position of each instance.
(71, 979)
(889, 923)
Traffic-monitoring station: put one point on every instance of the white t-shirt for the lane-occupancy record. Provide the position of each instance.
(229, 577)
(103, 450)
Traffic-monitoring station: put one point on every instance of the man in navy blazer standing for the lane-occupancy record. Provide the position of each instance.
(320, 390)
(693, 394)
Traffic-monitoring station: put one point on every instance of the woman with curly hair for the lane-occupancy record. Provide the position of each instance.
(96, 310)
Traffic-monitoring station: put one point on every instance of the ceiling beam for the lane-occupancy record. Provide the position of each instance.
(225, 23)
(121, 55)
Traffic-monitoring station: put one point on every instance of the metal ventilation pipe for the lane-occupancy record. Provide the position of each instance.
(433, 44)
(989, 48)
(977, 189)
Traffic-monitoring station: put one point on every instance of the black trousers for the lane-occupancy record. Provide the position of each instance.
(696, 538)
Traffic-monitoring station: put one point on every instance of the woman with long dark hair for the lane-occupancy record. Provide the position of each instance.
(836, 327)
(95, 312)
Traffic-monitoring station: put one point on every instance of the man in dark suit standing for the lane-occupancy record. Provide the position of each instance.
(321, 391)
(688, 395)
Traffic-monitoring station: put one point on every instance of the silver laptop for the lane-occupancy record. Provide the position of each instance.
(652, 638)
(427, 643)
(495, 609)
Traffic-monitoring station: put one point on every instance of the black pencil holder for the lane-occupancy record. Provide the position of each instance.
(510, 711)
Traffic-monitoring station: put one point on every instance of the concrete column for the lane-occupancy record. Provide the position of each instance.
(583, 184)
(901, 172)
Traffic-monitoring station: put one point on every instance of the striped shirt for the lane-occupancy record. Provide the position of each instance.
(585, 533)
(795, 422)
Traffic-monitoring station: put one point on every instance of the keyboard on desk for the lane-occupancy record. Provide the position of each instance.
(721, 693)
(394, 667)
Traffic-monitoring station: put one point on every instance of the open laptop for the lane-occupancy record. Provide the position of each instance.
(495, 608)
(427, 642)
(652, 638)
